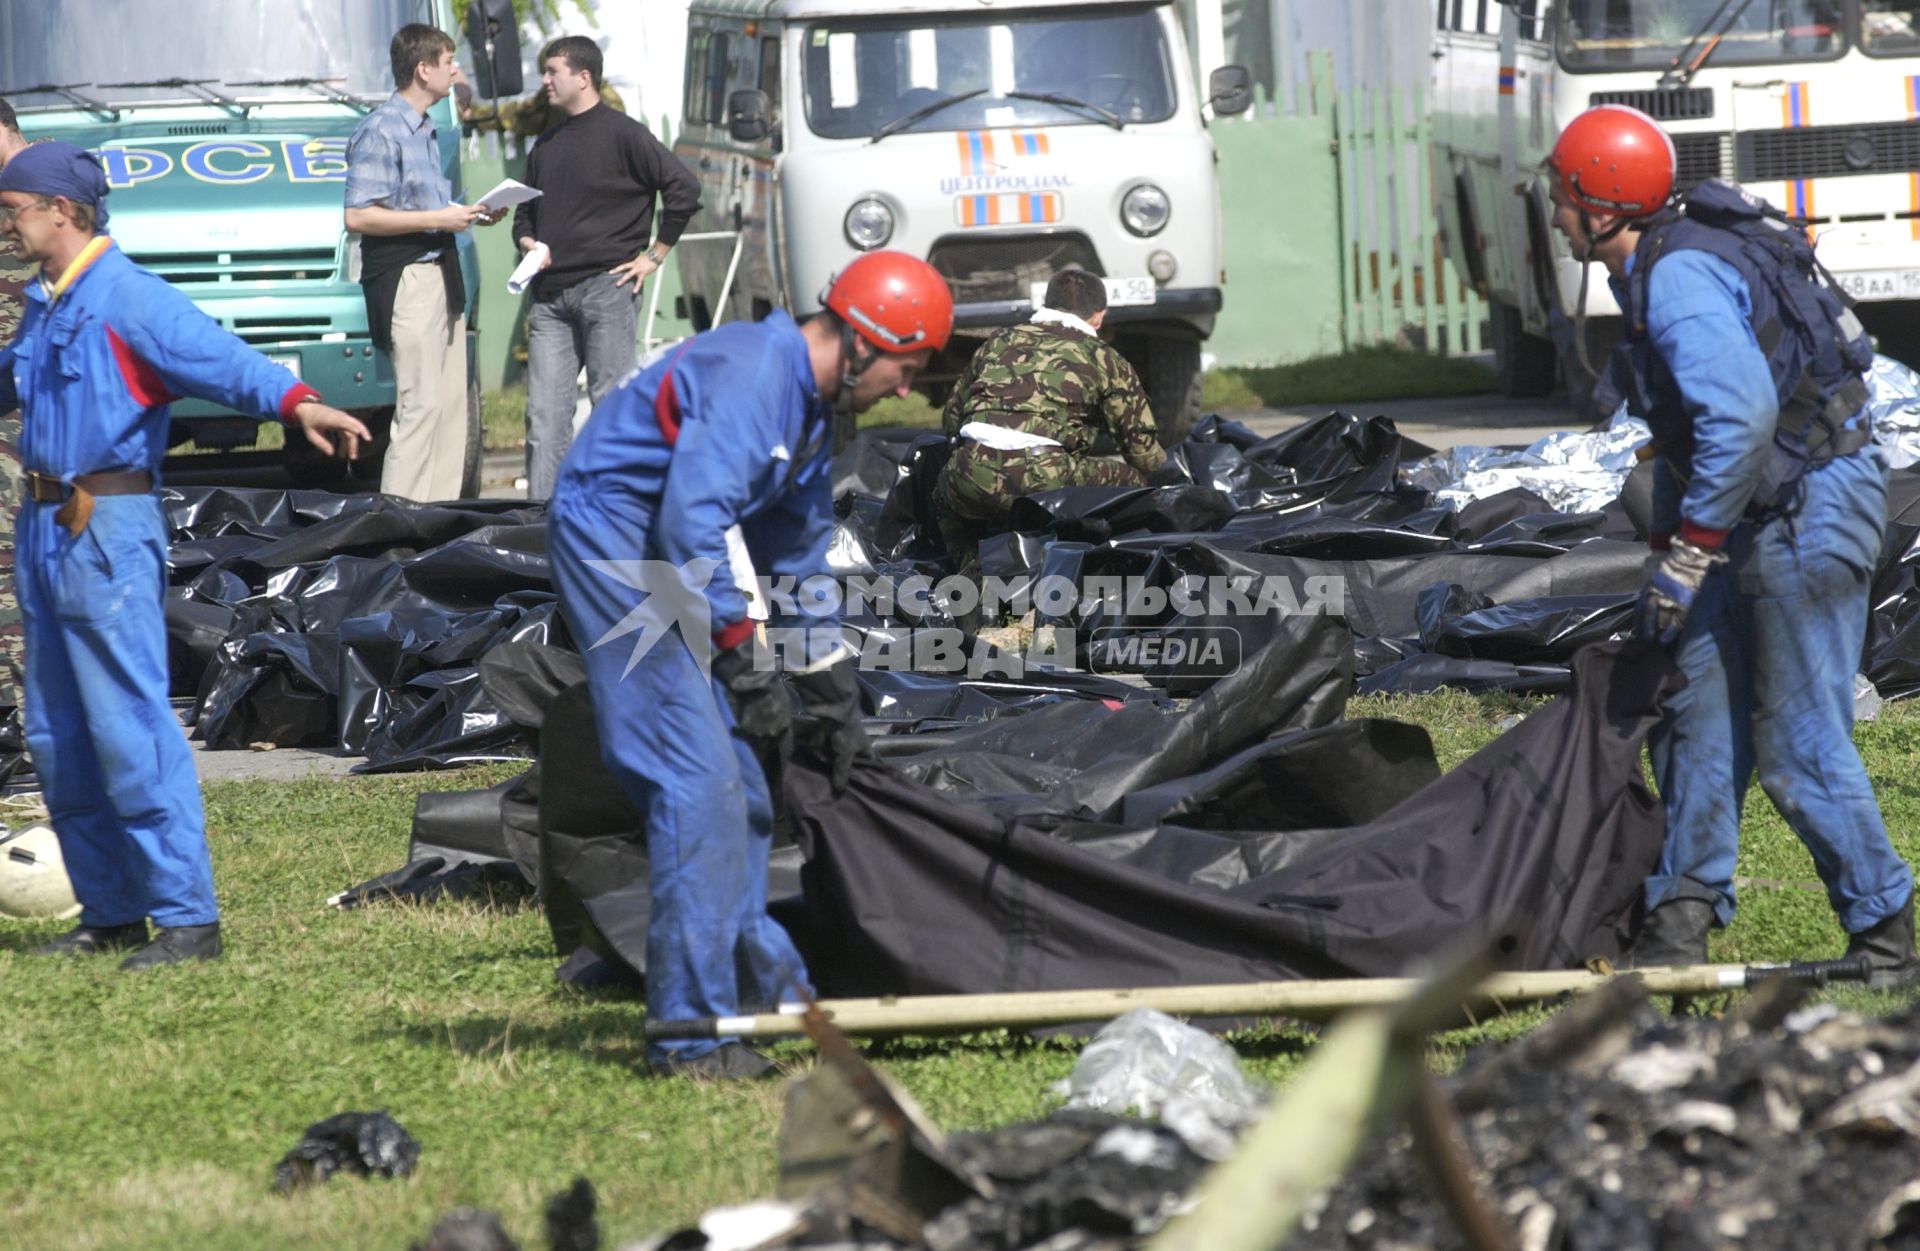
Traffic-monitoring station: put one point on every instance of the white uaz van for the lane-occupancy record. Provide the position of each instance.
(1002, 140)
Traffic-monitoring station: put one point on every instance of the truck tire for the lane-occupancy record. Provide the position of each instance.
(1528, 366)
(311, 470)
(373, 456)
(1169, 368)
(1591, 399)
(470, 477)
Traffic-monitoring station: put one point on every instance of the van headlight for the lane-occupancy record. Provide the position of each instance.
(1145, 210)
(869, 224)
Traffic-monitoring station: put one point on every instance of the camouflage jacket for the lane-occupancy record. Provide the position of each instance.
(535, 114)
(1061, 384)
(15, 274)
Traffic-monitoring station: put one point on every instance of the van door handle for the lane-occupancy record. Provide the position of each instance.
(705, 164)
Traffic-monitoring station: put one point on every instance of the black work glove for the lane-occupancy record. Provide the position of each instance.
(1671, 588)
(830, 699)
(762, 713)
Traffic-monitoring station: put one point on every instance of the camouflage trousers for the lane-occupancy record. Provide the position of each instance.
(13, 640)
(979, 484)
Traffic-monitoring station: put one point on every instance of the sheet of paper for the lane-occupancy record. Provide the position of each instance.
(509, 193)
(529, 266)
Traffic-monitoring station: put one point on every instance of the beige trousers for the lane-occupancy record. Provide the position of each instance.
(427, 457)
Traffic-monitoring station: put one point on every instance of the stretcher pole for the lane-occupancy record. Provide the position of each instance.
(937, 1014)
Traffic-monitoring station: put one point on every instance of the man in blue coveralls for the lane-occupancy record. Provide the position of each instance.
(736, 428)
(1769, 509)
(104, 347)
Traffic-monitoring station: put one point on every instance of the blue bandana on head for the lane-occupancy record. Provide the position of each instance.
(59, 169)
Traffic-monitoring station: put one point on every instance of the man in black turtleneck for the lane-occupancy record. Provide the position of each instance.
(599, 171)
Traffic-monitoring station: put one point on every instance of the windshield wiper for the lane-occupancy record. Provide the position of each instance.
(1073, 102)
(924, 111)
(67, 89)
(326, 89)
(1677, 74)
(196, 85)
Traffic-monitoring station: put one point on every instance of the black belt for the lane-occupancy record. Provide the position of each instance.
(44, 488)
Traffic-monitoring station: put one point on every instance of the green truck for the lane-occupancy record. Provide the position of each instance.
(222, 126)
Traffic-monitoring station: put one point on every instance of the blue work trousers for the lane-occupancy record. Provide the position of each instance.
(1770, 650)
(115, 768)
(666, 732)
(592, 322)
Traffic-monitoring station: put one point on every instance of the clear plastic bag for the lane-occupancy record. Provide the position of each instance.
(1148, 1062)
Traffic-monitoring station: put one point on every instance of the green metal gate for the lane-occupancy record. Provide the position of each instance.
(1327, 229)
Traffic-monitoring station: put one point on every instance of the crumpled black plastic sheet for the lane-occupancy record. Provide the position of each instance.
(310, 619)
(1891, 657)
(1537, 846)
(306, 618)
(359, 1144)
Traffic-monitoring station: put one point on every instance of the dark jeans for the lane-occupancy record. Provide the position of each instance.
(594, 320)
(1769, 651)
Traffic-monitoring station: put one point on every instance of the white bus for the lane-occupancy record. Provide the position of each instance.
(1812, 104)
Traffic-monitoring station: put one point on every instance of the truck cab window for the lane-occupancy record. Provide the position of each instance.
(1648, 34)
(770, 69)
(719, 48)
(859, 76)
(1890, 27)
(695, 106)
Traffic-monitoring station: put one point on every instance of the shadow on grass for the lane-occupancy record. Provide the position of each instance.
(606, 1033)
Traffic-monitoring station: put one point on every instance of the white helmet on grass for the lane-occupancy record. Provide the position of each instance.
(33, 877)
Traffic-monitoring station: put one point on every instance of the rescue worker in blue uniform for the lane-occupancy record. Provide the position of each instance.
(734, 429)
(103, 347)
(1769, 510)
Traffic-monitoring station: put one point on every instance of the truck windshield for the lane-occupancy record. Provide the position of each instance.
(342, 42)
(1604, 35)
(862, 75)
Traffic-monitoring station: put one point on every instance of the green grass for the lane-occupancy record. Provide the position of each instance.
(503, 418)
(1371, 373)
(149, 1111)
(911, 410)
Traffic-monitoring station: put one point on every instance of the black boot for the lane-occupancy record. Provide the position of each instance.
(1672, 934)
(729, 1062)
(1887, 947)
(185, 942)
(93, 940)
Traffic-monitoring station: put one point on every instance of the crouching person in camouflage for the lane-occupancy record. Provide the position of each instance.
(15, 274)
(1027, 409)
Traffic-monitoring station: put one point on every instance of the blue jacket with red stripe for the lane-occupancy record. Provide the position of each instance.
(94, 369)
(729, 429)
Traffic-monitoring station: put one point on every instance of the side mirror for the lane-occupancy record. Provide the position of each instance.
(493, 34)
(749, 116)
(1230, 90)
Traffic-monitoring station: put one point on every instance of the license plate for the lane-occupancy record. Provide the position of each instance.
(1881, 284)
(1119, 291)
(292, 363)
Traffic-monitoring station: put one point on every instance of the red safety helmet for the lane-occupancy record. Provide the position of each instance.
(896, 302)
(1616, 160)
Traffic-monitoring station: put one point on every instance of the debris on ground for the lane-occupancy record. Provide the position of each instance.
(1613, 1126)
(359, 1144)
(572, 1224)
(1767, 1128)
(467, 1229)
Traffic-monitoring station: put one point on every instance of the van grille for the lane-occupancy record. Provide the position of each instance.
(1005, 267)
(1699, 157)
(1676, 105)
(281, 329)
(185, 268)
(1829, 151)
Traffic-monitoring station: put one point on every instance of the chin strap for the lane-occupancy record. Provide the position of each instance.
(853, 364)
(1580, 301)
